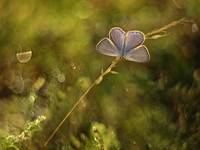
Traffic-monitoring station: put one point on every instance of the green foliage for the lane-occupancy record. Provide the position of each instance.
(152, 106)
(104, 138)
(99, 138)
(16, 142)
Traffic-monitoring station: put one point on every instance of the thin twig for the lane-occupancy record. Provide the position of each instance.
(107, 71)
(97, 81)
(166, 27)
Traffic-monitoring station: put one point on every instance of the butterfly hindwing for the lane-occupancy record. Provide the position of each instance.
(138, 54)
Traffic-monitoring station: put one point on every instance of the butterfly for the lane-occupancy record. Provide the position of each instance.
(128, 45)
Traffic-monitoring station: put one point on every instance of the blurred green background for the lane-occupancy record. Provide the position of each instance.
(152, 106)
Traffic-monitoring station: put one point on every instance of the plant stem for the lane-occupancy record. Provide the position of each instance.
(107, 71)
(166, 27)
(97, 81)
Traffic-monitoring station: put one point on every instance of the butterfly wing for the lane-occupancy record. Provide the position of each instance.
(133, 39)
(106, 47)
(138, 54)
(117, 35)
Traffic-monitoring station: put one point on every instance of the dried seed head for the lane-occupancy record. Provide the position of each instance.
(24, 57)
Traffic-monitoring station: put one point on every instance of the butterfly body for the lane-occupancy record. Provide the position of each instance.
(128, 45)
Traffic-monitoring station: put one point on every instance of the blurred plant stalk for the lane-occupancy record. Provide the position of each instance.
(155, 34)
(96, 82)
(162, 32)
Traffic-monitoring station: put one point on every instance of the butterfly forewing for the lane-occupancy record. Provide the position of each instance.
(117, 35)
(138, 54)
(133, 39)
(106, 47)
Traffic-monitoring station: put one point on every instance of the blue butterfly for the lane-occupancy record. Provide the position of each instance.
(128, 45)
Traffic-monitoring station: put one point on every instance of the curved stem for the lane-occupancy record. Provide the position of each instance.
(97, 81)
(108, 70)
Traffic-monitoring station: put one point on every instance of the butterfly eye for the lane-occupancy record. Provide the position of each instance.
(117, 35)
(133, 39)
